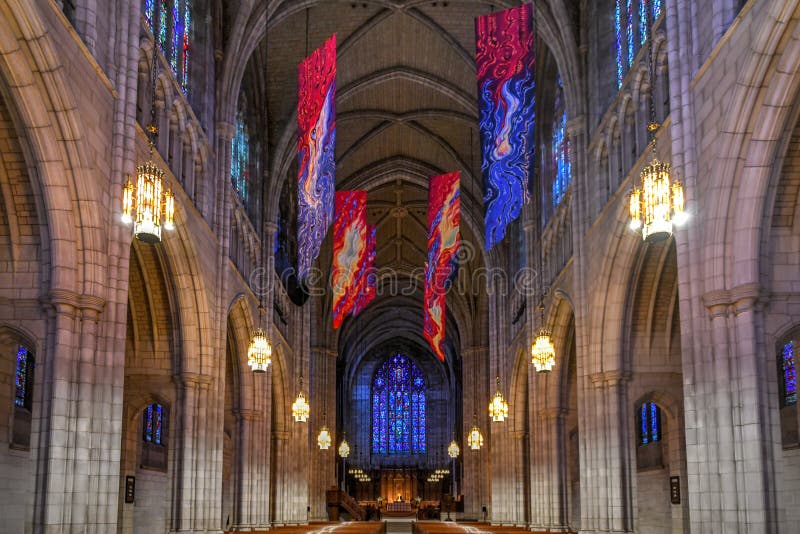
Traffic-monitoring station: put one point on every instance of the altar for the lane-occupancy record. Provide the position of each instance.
(402, 507)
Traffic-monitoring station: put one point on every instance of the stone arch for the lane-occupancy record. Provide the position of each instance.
(47, 113)
(770, 85)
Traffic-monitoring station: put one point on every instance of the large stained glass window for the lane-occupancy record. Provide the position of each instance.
(240, 158)
(649, 423)
(174, 24)
(789, 374)
(398, 408)
(562, 168)
(23, 378)
(153, 424)
(631, 25)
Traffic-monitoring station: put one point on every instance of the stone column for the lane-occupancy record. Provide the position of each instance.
(605, 475)
(475, 462)
(192, 469)
(323, 399)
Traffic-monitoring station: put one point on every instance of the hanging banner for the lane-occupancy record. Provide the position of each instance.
(316, 144)
(444, 217)
(505, 58)
(367, 281)
(349, 251)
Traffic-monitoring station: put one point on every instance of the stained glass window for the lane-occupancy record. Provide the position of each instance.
(174, 25)
(562, 168)
(149, 11)
(240, 158)
(23, 378)
(631, 20)
(649, 423)
(153, 421)
(398, 408)
(185, 48)
(789, 374)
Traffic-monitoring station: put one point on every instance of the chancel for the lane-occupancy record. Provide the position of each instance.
(399, 266)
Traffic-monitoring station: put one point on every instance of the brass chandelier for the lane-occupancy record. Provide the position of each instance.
(475, 438)
(147, 205)
(344, 449)
(324, 439)
(657, 203)
(453, 450)
(498, 408)
(300, 408)
(259, 353)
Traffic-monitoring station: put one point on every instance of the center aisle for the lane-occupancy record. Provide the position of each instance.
(398, 525)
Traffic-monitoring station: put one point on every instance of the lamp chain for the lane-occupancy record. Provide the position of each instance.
(653, 126)
(152, 129)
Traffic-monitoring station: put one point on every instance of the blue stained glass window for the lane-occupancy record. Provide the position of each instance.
(177, 38)
(398, 408)
(649, 423)
(789, 374)
(149, 11)
(632, 17)
(240, 158)
(618, 28)
(163, 26)
(562, 168)
(153, 423)
(629, 32)
(23, 378)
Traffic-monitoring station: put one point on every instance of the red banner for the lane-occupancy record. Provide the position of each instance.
(349, 251)
(444, 215)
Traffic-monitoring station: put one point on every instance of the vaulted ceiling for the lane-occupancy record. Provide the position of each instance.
(406, 110)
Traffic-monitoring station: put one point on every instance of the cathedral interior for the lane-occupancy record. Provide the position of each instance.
(358, 267)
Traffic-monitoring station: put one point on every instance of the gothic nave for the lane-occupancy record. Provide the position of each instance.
(361, 267)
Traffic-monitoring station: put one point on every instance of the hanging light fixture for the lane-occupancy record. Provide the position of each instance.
(475, 438)
(453, 450)
(301, 408)
(259, 353)
(543, 352)
(657, 203)
(498, 408)
(324, 438)
(147, 205)
(344, 449)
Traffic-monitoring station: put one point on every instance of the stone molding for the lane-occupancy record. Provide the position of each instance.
(740, 299)
(612, 378)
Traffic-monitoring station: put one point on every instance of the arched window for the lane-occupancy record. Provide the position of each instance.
(788, 374)
(787, 380)
(631, 19)
(649, 453)
(240, 158)
(562, 168)
(398, 408)
(174, 24)
(154, 436)
(23, 378)
(649, 423)
(152, 424)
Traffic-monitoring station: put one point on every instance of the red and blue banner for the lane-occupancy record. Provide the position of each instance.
(444, 217)
(349, 251)
(316, 144)
(505, 58)
(367, 277)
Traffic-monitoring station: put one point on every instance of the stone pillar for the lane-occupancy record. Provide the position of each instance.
(76, 478)
(605, 475)
(195, 508)
(323, 399)
(732, 428)
(475, 462)
(548, 460)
